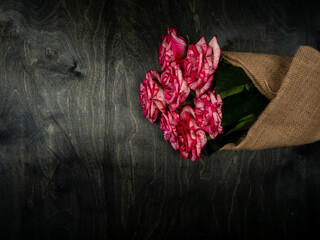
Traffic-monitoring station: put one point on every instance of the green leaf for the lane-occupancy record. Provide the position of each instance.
(228, 77)
(248, 117)
(244, 123)
(188, 41)
(234, 91)
(242, 104)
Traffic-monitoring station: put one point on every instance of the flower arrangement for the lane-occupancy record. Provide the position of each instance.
(192, 95)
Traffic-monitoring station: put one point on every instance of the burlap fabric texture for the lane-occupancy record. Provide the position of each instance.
(293, 87)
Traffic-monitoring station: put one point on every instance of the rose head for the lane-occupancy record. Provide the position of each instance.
(192, 139)
(168, 123)
(172, 48)
(175, 88)
(200, 63)
(208, 113)
(151, 96)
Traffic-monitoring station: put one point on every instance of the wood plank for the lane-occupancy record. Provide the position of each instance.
(79, 160)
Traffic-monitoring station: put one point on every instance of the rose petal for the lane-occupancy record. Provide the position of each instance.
(216, 52)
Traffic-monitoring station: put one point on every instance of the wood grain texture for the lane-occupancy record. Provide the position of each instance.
(78, 160)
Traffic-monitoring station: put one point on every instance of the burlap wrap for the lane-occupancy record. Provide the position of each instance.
(293, 87)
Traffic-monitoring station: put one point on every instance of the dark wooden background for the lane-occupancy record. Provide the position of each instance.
(78, 160)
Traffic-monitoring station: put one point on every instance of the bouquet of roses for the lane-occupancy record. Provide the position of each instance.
(203, 101)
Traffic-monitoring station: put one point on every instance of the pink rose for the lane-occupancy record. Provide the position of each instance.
(172, 48)
(192, 139)
(200, 63)
(168, 123)
(175, 88)
(208, 113)
(151, 96)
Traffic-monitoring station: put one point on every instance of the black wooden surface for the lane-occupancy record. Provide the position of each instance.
(78, 160)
